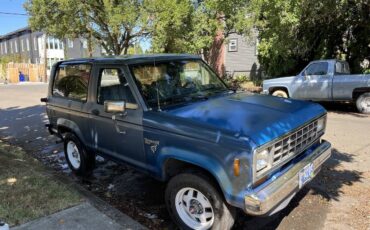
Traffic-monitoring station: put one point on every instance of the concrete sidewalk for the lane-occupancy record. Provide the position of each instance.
(80, 217)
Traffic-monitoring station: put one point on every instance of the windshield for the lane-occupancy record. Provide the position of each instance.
(174, 82)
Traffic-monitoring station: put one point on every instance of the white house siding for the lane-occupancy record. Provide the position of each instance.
(244, 60)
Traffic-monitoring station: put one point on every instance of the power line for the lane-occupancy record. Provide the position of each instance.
(10, 13)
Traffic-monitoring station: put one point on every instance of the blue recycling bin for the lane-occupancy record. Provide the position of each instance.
(21, 77)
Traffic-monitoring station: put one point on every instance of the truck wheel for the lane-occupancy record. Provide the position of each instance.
(363, 103)
(195, 203)
(280, 93)
(79, 161)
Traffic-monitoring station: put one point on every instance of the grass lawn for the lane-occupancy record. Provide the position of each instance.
(27, 190)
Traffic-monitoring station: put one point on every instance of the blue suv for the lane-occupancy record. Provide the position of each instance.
(172, 117)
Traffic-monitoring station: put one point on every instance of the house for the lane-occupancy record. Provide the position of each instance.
(240, 56)
(235, 56)
(35, 47)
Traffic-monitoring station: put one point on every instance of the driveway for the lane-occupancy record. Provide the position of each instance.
(339, 198)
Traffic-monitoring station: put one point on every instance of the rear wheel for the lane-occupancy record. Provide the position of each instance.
(79, 161)
(363, 103)
(280, 93)
(195, 203)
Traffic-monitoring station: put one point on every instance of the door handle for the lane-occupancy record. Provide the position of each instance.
(95, 112)
(116, 125)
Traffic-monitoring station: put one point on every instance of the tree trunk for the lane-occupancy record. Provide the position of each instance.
(90, 45)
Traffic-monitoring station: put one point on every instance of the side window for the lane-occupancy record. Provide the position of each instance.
(72, 81)
(341, 68)
(320, 68)
(113, 87)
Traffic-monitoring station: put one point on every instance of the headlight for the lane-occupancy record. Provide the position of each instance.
(321, 124)
(262, 160)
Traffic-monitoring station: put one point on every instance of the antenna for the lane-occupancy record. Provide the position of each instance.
(157, 89)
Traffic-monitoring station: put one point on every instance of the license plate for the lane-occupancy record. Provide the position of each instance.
(306, 174)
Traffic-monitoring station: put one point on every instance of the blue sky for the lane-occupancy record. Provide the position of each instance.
(9, 23)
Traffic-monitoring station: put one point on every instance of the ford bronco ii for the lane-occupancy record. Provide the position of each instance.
(172, 117)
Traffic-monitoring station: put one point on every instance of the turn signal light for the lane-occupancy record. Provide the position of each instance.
(236, 167)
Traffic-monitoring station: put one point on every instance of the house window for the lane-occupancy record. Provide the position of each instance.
(11, 47)
(50, 43)
(35, 43)
(15, 46)
(61, 44)
(28, 44)
(84, 43)
(70, 43)
(22, 45)
(233, 45)
(6, 48)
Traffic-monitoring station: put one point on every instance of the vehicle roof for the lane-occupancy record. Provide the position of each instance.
(130, 59)
(327, 60)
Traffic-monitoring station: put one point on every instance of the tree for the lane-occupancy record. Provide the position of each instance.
(115, 25)
(294, 32)
(135, 49)
(198, 26)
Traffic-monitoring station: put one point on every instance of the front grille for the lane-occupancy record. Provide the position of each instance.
(294, 143)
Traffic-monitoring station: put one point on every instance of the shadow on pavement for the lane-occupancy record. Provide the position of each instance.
(346, 108)
(24, 126)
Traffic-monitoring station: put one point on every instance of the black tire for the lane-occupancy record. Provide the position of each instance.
(224, 215)
(87, 161)
(280, 93)
(363, 103)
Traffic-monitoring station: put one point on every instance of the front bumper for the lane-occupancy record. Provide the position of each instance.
(270, 198)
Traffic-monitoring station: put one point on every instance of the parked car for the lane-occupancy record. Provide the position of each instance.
(324, 80)
(172, 117)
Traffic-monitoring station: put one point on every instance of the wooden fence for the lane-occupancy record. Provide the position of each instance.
(32, 72)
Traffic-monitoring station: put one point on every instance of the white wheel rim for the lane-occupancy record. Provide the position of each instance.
(279, 94)
(194, 209)
(73, 155)
(366, 103)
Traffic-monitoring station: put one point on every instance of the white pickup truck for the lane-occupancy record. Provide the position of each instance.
(324, 80)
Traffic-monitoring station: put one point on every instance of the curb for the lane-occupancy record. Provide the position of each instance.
(116, 215)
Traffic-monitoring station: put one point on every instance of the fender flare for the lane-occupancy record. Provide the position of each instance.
(280, 87)
(71, 125)
(209, 164)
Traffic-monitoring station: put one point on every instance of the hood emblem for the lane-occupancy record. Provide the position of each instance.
(153, 144)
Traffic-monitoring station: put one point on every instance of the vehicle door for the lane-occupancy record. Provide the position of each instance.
(117, 135)
(344, 82)
(316, 82)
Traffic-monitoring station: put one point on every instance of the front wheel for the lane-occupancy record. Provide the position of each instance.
(363, 103)
(195, 203)
(280, 93)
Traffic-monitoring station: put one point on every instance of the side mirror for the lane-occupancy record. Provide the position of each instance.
(114, 106)
(118, 106)
(305, 73)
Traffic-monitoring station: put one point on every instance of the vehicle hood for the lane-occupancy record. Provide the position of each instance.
(279, 80)
(260, 118)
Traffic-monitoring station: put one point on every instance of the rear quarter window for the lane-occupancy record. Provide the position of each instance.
(71, 81)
